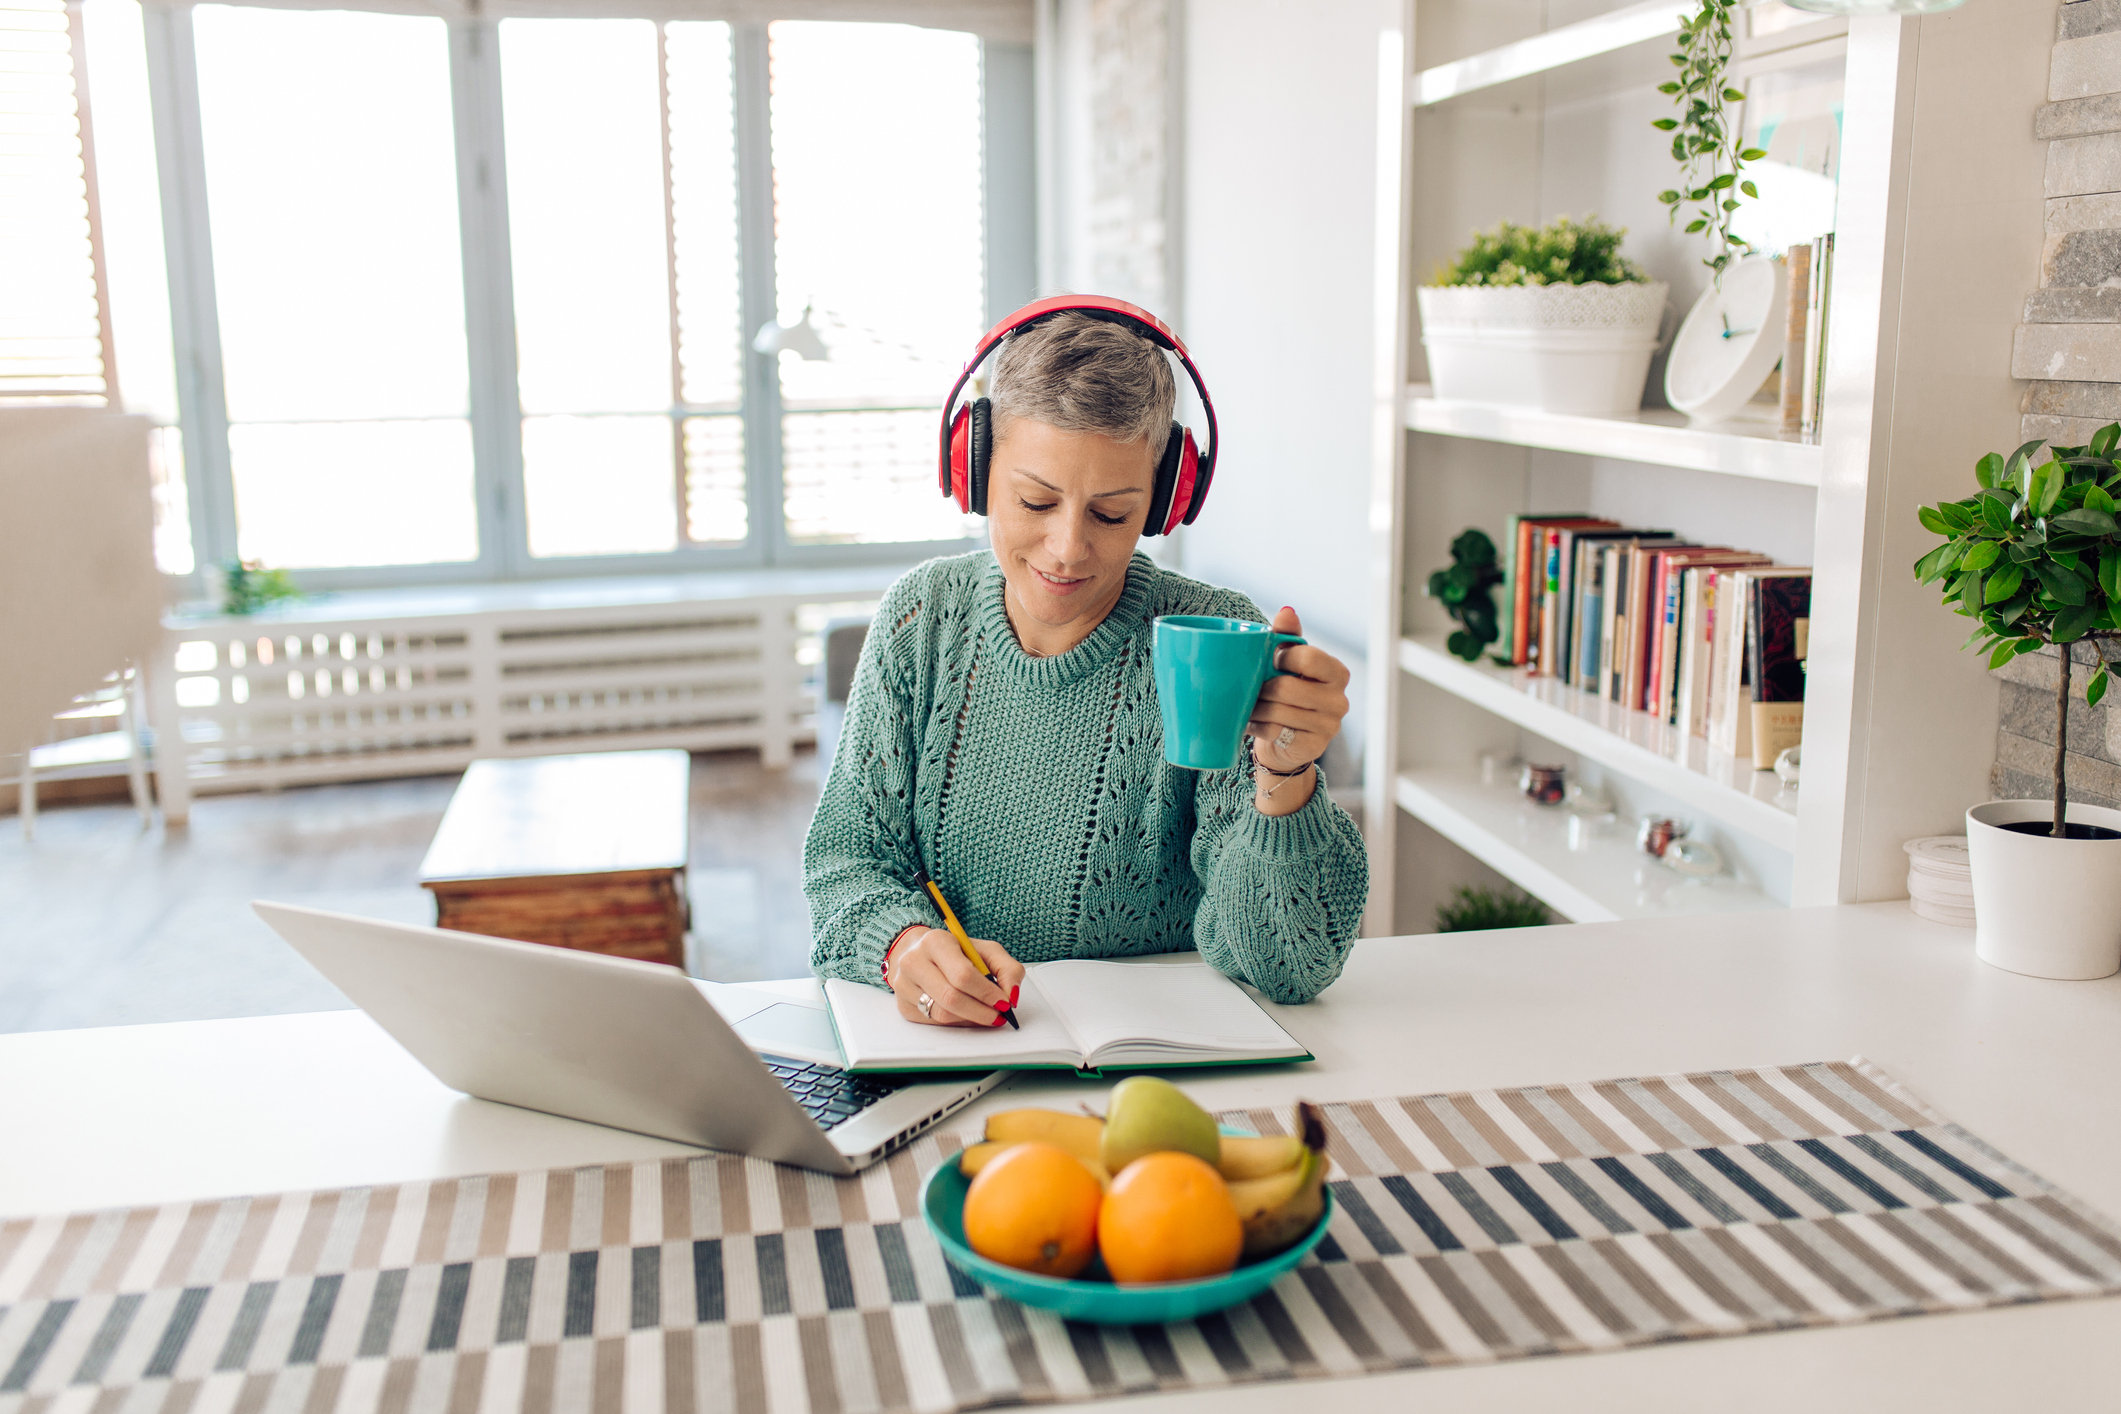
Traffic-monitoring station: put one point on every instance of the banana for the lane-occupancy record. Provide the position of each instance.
(976, 1157)
(1282, 1207)
(1080, 1135)
(1249, 1158)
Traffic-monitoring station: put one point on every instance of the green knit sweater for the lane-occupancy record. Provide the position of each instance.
(1035, 792)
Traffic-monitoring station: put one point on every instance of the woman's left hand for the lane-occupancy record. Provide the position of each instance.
(1296, 718)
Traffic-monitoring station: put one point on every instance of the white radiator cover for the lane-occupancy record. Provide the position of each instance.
(411, 682)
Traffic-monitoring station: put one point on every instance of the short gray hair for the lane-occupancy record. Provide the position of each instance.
(1083, 374)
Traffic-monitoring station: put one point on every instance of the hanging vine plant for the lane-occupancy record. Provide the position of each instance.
(1704, 142)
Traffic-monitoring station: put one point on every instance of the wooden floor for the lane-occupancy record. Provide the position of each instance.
(103, 924)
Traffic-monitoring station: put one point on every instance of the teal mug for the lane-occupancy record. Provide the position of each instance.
(1208, 674)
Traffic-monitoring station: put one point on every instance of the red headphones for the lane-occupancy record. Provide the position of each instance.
(1182, 476)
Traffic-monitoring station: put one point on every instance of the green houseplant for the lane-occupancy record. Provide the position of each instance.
(1562, 252)
(1467, 590)
(1551, 316)
(1704, 143)
(247, 586)
(1477, 910)
(2034, 558)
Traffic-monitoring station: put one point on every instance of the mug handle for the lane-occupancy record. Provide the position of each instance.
(1282, 640)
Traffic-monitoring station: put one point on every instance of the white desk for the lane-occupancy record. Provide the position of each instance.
(152, 1114)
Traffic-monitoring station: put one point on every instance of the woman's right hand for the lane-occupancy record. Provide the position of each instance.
(928, 961)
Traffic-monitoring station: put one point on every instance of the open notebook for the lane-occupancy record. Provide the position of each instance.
(1076, 1015)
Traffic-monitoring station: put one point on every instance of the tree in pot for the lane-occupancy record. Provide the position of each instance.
(2034, 558)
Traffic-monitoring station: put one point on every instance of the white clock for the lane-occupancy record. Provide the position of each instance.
(1730, 340)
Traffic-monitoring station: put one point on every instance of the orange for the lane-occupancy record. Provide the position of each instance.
(1034, 1207)
(1168, 1218)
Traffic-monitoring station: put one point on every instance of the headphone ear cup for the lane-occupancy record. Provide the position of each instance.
(1192, 491)
(959, 437)
(979, 453)
(1186, 483)
(1161, 502)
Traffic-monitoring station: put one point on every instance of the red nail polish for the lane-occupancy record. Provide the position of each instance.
(1012, 997)
(999, 1020)
(1001, 1006)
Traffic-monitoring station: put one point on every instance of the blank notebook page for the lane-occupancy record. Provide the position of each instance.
(872, 1032)
(1188, 1005)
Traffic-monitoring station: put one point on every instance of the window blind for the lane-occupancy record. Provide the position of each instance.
(1003, 21)
(54, 325)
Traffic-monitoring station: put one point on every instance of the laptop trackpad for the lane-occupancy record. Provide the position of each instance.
(791, 1029)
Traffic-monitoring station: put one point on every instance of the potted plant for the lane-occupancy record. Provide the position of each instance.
(1467, 590)
(1553, 317)
(2034, 557)
(1705, 142)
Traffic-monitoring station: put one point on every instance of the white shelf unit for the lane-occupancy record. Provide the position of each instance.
(1635, 744)
(1505, 121)
(1585, 869)
(1536, 54)
(1742, 446)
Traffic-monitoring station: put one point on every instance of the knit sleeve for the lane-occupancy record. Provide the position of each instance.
(858, 859)
(1282, 896)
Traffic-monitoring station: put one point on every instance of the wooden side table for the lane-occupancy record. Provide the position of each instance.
(583, 851)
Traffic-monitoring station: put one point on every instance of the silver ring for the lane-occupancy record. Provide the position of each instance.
(1288, 734)
(923, 1006)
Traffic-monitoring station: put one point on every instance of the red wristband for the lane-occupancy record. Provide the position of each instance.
(885, 966)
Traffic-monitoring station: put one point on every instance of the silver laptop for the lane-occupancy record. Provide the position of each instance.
(635, 1045)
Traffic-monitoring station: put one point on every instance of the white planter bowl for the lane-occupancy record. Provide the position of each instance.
(1559, 348)
(2045, 907)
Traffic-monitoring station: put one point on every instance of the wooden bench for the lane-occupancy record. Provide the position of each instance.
(581, 851)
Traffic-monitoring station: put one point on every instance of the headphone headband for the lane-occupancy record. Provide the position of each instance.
(1112, 311)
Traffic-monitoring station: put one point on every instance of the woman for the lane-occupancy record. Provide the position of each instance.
(1003, 735)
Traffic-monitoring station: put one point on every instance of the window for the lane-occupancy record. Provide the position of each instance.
(52, 306)
(331, 179)
(483, 295)
(876, 130)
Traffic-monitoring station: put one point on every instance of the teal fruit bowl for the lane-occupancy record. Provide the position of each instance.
(1096, 1298)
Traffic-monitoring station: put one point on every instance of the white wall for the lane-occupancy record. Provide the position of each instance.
(1280, 127)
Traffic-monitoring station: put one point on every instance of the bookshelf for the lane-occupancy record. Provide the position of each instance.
(1635, 744)
(1586, 871)
(1507, 118)
(1552, 49)
(1743, 446)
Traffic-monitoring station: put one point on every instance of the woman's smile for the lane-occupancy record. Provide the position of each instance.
(1059, 584)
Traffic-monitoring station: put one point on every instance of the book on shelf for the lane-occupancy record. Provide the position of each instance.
(1556, 596)
(1624, 610)
(1697, 616)
(1667, 601)
(1799, 261)
(1572, 551)
(1735, 662)
(1818, 309)
(1730, 692)
(1527, 578)
(1778, 640)
(1589, 616)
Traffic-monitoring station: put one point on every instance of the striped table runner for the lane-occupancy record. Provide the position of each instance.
(1471, 1227)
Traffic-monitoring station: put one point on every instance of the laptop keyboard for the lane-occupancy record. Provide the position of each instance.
(829, 1095)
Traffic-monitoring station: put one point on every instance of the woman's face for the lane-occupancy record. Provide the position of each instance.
(1064, 510)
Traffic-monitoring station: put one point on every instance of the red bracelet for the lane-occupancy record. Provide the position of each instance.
(885, 966)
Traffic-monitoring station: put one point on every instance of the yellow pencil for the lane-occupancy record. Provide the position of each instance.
(957, 931)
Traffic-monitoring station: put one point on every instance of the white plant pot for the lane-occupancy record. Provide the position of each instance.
(1559, 348)
(2045, 907)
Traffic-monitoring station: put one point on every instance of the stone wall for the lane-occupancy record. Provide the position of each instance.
(2025, 736)
(2070, 347)
(2070, 342)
